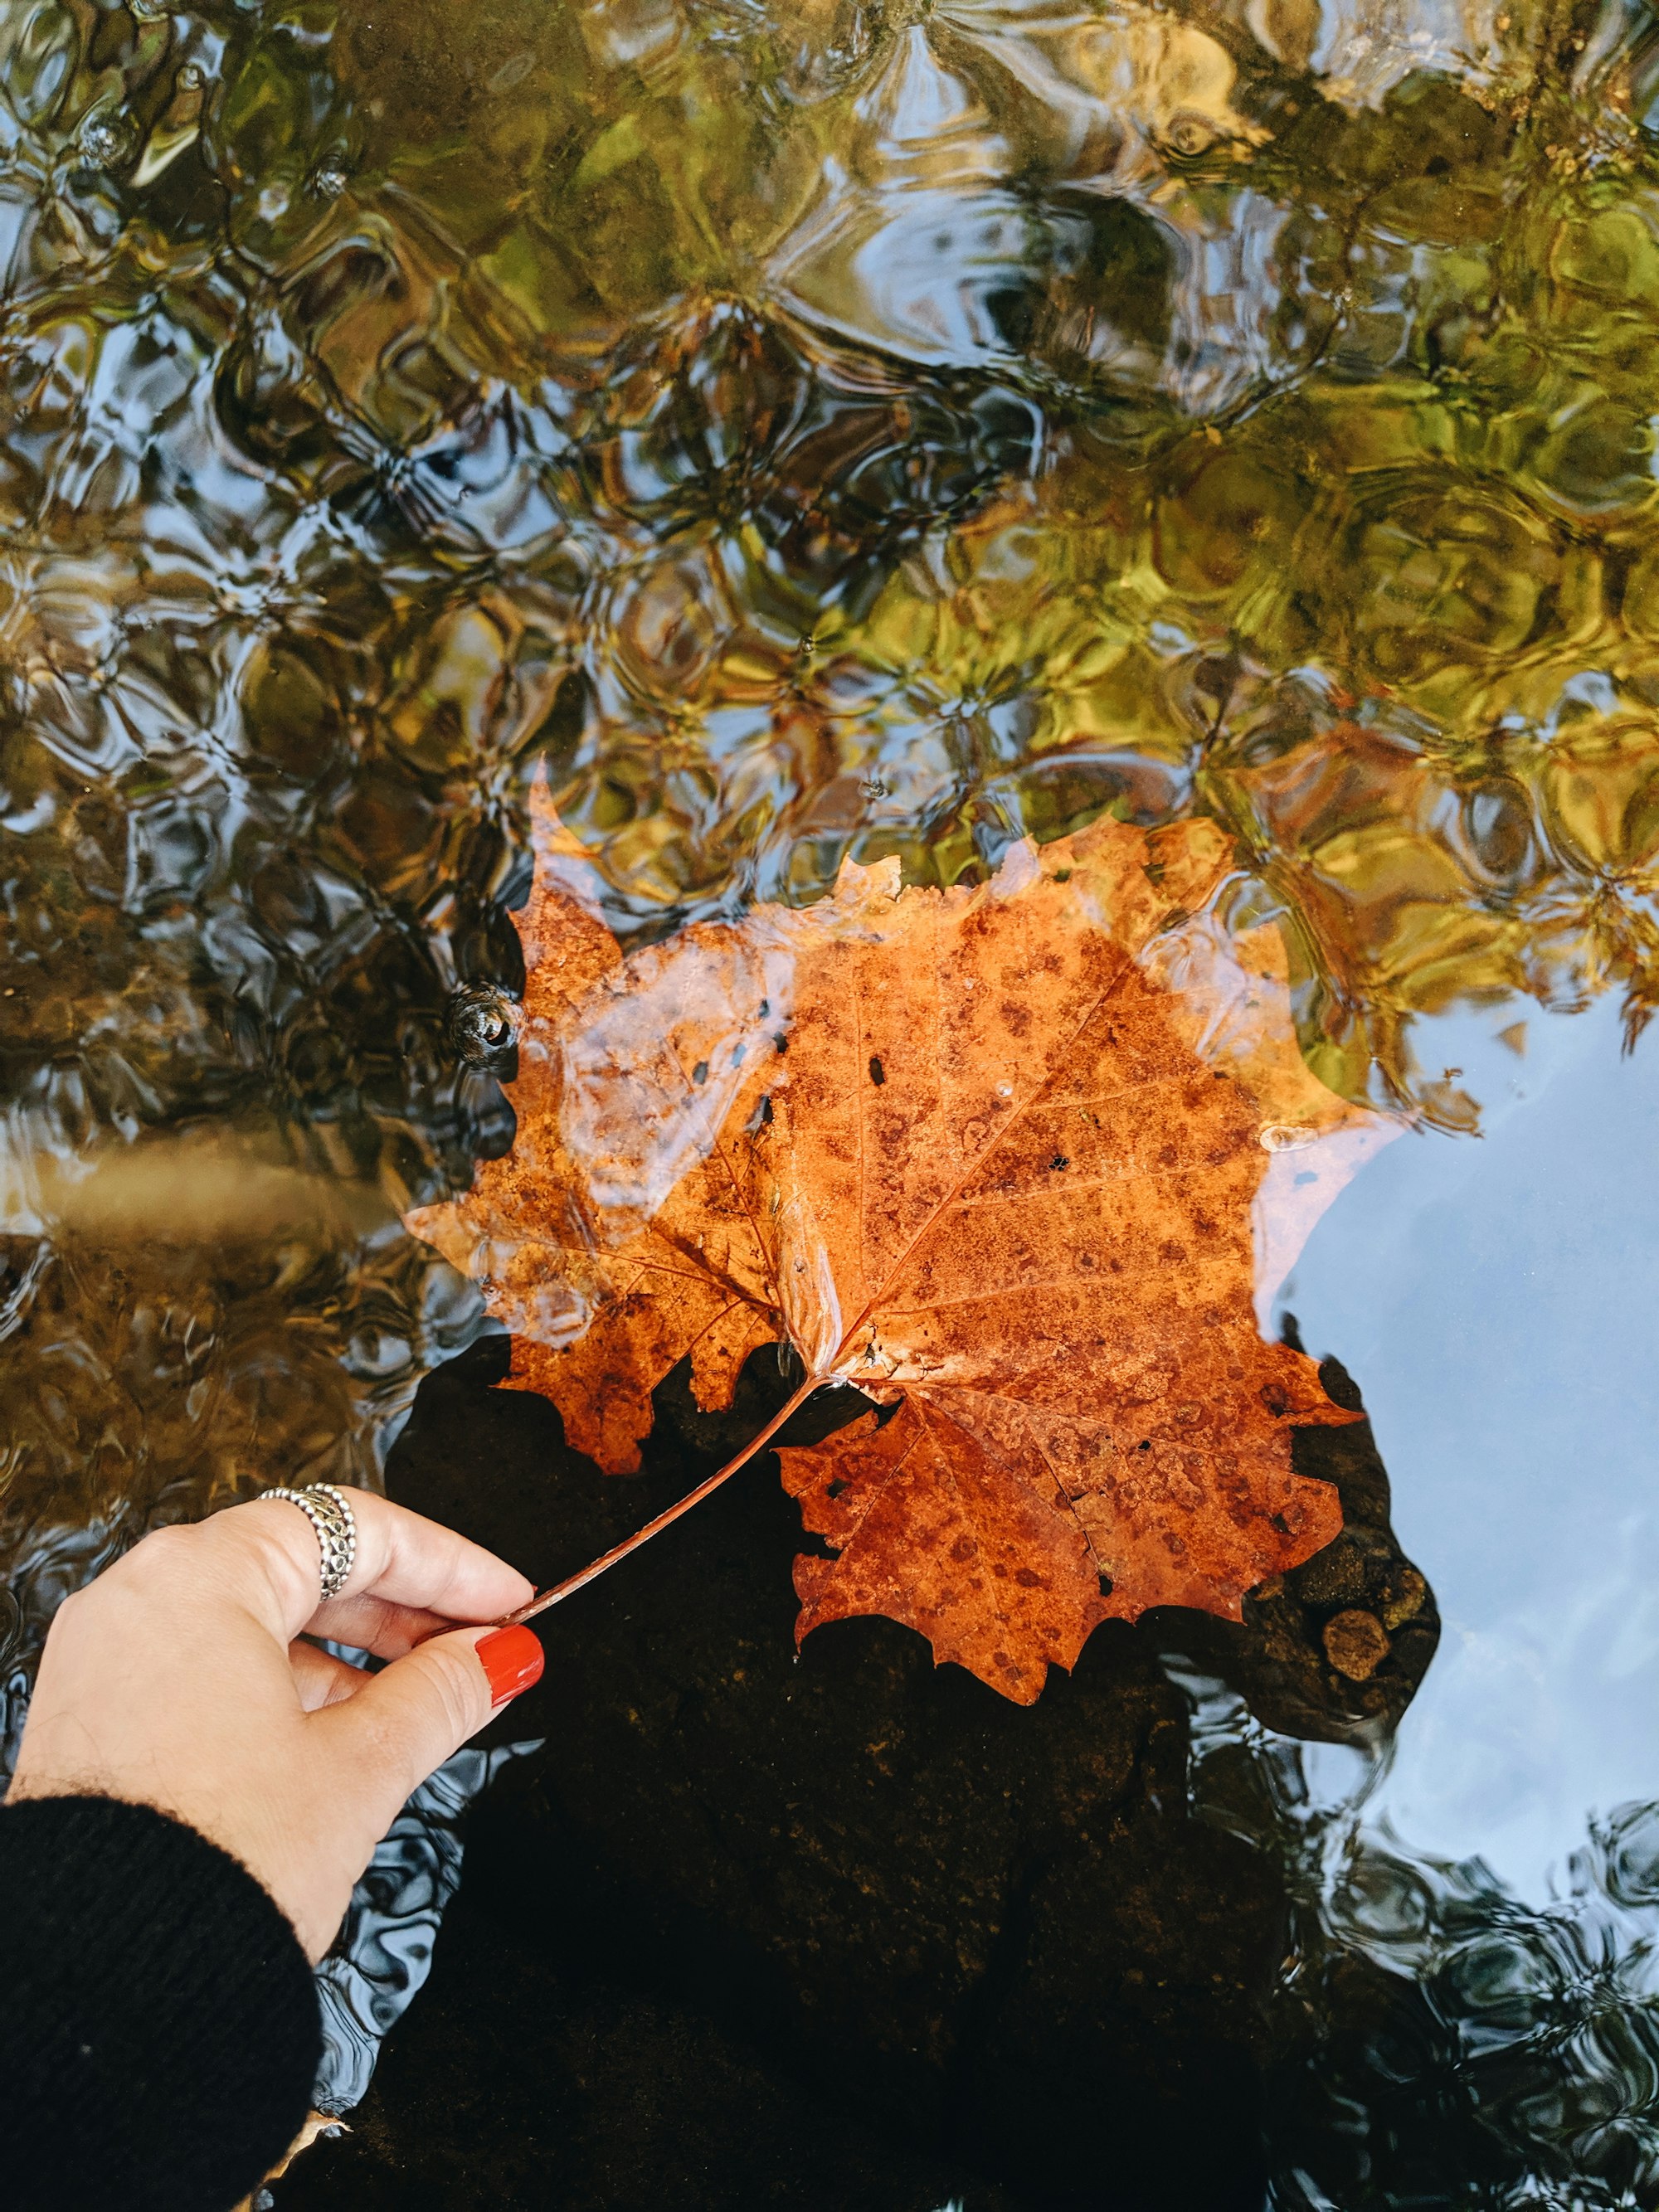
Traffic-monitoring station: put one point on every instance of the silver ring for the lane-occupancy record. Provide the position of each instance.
(329, 1512)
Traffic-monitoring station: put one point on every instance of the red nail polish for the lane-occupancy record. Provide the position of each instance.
(513, 1659)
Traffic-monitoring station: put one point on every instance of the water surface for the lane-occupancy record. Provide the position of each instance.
(865, 429)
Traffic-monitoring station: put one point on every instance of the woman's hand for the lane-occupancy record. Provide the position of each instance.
(175, 1680)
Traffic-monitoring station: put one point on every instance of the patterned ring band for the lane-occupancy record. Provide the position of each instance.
(329, 1512)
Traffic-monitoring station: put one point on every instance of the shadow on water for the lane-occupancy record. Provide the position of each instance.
(925, 1943)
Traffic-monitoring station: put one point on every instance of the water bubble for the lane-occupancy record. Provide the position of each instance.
(103, 138)
(1190, 136)
(482, 1023)
(1284, 1136)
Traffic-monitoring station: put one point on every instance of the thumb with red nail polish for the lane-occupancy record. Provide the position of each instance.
(411, 1716)
(512, 1659)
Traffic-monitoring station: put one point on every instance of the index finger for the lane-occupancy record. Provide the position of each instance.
(403, 1559)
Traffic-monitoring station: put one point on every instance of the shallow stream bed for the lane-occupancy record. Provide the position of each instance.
(832, 431)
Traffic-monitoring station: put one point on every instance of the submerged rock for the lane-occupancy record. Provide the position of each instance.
(1335, 1650)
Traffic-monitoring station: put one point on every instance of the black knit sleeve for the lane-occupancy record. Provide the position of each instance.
(159, 2028)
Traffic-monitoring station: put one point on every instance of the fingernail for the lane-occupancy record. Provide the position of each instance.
(513, 1659)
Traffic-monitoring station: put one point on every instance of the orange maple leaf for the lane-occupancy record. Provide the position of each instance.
(1017, 1160)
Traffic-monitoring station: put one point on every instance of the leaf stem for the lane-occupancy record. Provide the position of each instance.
(571, 1583)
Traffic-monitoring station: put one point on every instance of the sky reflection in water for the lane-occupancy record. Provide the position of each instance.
(1500, 1298)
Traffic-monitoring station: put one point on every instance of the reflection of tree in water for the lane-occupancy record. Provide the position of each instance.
(592, 383)
(812, 431)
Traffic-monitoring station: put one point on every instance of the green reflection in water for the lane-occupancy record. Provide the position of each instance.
(815, 429)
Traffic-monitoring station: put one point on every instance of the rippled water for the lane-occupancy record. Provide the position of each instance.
(876, 428)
